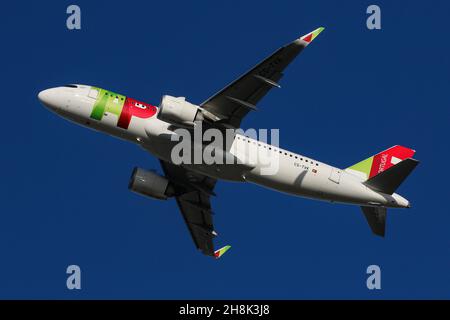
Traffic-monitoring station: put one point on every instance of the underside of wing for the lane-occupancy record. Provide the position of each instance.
(193, 199)
(232, 103)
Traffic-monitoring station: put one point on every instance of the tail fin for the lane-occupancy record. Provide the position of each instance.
(380, 162)
(389, 180)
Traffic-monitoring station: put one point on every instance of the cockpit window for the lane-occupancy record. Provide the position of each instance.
(71, 86)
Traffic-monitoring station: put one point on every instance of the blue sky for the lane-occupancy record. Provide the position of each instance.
(352, 93)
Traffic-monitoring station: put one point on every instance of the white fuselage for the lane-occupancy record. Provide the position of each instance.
(295, 174)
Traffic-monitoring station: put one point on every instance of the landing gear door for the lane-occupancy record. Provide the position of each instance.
(335, 175)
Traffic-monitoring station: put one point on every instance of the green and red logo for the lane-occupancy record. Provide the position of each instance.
(382, 161)
(123, 107)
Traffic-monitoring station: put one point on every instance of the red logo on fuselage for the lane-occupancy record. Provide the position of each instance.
(135, 108)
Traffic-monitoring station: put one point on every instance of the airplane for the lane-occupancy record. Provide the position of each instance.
(370, 184)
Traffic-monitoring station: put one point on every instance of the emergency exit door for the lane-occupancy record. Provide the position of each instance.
(335, 175)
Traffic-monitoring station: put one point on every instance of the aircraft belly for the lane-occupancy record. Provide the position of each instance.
(317, 185)
(287, 179)
(321, 182)
(222, 172)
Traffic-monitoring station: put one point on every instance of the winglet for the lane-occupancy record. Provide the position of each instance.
(312, 35)
(221, 251)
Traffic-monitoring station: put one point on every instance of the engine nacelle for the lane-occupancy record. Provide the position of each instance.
(179, 111)
(150, 184)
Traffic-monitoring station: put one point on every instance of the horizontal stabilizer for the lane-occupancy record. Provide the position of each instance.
(388, 181)
(376, 217)
(221, 251)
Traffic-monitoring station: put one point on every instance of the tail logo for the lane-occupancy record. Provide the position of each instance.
(380, 162)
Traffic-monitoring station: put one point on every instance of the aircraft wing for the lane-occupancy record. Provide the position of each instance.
(232, 103)
(194, 203)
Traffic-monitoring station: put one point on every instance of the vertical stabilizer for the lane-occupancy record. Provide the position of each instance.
(380, 162)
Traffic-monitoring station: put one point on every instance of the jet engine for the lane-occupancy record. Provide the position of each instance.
(150, 184)
(179, 111)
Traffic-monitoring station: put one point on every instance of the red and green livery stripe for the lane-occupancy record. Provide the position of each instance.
(382, 161)
(123, 107)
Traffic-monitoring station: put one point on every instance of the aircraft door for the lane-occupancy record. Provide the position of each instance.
(93, 93)
(335, 175)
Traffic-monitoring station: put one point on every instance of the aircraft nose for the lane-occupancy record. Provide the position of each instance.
(48, 98)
